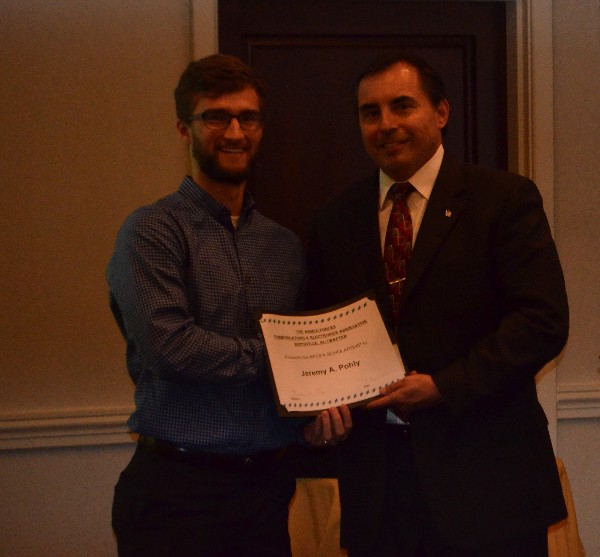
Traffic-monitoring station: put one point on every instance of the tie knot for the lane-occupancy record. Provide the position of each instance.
(401, 189)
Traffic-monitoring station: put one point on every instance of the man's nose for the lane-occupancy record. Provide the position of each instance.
(234, 129)
(389, 120)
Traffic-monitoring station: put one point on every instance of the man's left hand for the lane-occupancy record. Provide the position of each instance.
(412, 392)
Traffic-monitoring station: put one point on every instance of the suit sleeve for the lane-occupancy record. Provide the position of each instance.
(532, 327)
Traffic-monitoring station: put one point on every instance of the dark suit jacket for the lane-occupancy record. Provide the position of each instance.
(483, 309)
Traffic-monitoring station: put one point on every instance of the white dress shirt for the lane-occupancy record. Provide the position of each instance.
(422, 181)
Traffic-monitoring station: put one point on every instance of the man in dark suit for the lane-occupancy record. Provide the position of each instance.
(455, 459)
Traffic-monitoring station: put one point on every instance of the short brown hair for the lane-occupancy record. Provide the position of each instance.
(213, 76)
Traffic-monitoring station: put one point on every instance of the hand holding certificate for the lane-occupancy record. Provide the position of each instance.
(343, 356)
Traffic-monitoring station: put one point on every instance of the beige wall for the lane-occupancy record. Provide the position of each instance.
(88, 135)
(577, 231)
(577, 185)
(56, 503)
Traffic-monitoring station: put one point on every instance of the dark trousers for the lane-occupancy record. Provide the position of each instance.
(409, 530)
(167, 508)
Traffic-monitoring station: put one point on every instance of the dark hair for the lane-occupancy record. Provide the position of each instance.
(431, 81)
(213, 76)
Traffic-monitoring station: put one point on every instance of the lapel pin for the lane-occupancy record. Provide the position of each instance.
(448, 213)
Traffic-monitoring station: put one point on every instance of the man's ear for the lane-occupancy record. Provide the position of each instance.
(183, 130)
(443, 111)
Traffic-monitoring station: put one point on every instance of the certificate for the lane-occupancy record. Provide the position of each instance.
(340, 356)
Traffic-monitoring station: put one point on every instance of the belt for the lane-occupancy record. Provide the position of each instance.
(254, 463)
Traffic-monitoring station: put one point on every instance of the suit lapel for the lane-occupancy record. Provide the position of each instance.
(443, 210)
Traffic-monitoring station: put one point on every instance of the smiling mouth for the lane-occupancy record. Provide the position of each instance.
(393, 144)
(233, 149)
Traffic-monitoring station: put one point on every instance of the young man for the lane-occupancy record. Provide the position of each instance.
(454, 460)
(186, 276)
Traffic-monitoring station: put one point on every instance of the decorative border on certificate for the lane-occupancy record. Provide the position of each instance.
(342, 355)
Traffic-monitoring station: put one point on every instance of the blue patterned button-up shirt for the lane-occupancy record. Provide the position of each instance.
(184, 286)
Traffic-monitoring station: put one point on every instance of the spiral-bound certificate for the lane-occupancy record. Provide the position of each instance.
(319, 360)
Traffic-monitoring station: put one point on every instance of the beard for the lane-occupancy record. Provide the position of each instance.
(210, 166)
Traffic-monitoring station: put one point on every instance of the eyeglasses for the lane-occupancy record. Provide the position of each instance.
(249, 120)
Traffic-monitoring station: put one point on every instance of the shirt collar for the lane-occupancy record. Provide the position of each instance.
(422, 180)
(204, 200)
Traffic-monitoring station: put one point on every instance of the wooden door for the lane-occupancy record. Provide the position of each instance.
(309, 54)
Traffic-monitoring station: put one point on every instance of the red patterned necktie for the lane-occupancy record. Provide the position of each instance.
(398, 243)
